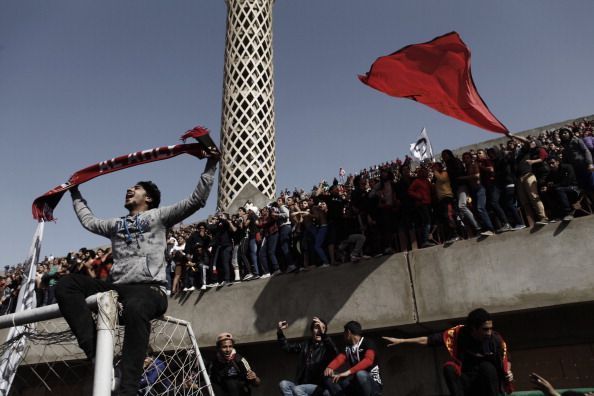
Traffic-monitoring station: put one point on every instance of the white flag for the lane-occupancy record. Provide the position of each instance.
(9, 363)
(422, 149)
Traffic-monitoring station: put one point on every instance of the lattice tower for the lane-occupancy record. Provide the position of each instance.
(247, 131)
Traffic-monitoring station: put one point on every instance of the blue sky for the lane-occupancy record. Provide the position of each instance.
(83, 81)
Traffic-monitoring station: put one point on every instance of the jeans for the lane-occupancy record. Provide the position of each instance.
(481, 207)
(222, 260)
(465, 213)
(285, 243)
(565, 195)
(494, 196)
(319, 238)
(253, 246)
(359, 384)
(268, 252)
(142, 303)
(289, 388)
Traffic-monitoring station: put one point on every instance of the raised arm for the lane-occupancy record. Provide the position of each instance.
(518, 138)
(88, 219)
(398, 341)
(294, 347)
(171, 215)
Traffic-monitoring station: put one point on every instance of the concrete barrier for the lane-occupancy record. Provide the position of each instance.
(528, 269)
(375, 292)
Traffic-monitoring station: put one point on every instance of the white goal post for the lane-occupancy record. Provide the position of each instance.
(177, 366)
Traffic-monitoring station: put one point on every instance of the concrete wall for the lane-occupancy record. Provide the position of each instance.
(377, 292)
(522, 270)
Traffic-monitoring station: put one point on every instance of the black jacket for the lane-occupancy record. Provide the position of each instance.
(313, 357)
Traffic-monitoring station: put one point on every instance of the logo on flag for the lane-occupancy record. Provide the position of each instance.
(422, 149)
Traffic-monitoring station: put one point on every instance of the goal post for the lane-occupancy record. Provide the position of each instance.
(175, 366)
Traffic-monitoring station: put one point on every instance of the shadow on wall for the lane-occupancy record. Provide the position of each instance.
(321, 292)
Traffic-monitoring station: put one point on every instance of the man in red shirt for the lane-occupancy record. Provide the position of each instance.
(362, 378)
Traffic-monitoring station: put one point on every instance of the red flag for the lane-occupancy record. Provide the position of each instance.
(437, 74)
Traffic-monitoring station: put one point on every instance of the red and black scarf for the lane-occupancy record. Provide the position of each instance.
(43, 206)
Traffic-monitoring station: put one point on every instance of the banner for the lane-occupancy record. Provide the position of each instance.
(43, 206)
(15, 353)
(437, 74)
(422, 149)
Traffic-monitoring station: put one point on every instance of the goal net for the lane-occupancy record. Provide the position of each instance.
(53, 364)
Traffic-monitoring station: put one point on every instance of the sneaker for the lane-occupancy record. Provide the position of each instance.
(505, 228)
(542, 222)
(518, 227)
(452, 240)
(168, 292)
(325, 265)
(303, 269)
(291, 268)
(487, 233)
(378, 255)
(277, 272)
(266, 275)
(365, 257)
(210, 285)
(428, 244)
(355, 258)
(221, 284)
(248, 277)
(256, 277)
(203, 287)
(185, 289)
(568, 218)
(190, 289)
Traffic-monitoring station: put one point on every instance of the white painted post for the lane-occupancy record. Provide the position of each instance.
(107, 315)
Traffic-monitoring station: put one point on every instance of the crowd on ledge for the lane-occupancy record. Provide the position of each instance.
(387, 208)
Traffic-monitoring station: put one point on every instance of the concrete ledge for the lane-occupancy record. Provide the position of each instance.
(375, 292)
(532, 268)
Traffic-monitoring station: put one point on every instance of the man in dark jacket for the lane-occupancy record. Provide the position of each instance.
(562, 182)
(577, 154)
(314, 356)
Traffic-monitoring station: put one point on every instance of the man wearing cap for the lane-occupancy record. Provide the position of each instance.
(230, 373)
(138, 274)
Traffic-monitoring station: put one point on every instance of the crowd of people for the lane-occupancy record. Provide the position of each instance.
(387, 208)
(478, 363)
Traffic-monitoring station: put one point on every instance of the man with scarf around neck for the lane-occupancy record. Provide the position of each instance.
(314, 355)
(479, 365)
(362, 378)
(230, 373)
(138, 275)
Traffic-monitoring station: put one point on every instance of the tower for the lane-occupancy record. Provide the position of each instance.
(247, 127)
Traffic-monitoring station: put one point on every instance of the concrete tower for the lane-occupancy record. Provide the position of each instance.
(247, 131)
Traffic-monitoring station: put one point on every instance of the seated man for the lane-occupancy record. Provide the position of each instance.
(479, 365)
(362, 378)
(314, 356)
(230, 373)
(138, 242)
(562, 182)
